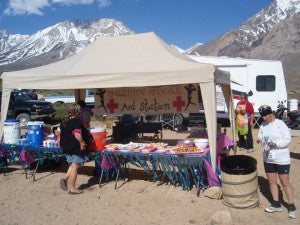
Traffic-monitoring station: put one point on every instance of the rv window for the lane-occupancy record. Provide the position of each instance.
(265, 83)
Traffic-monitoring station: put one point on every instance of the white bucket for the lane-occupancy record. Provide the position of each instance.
(12, 131)
(293, 104)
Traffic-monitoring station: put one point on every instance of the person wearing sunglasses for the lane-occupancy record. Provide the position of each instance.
(274, 137)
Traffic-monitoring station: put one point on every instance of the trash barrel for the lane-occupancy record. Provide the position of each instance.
(239, 181)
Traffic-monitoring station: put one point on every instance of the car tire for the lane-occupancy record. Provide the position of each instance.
(24, 118)
(178, 119)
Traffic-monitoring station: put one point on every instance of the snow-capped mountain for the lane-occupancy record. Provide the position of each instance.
(178, 49)
(239, 41)
(54, 43)
(194, 47)
(273, 33)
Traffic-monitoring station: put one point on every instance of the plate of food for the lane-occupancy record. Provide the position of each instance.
(158, 144)
(185, 149)
(124, 150)
(112, 147)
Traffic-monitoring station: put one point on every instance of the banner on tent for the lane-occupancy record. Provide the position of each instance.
(147, 100)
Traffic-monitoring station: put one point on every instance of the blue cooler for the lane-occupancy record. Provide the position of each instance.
(35, 133)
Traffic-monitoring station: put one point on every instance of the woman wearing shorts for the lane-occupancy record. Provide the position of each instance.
(275, 137)
(74, 140)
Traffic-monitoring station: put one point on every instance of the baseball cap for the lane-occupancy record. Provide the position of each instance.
(265, 110)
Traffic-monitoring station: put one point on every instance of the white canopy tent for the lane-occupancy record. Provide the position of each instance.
(125, 61)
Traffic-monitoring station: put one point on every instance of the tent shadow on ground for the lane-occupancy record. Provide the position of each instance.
(133, 174)
(265, 190)
(6, 171)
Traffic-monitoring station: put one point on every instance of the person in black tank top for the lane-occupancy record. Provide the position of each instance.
(74, 140)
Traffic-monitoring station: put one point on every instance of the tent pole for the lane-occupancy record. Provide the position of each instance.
(209, 103)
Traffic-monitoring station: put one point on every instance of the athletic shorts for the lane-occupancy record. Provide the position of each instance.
(76, 159)
(275, 168)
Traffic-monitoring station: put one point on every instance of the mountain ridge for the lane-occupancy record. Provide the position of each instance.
(271, 34)
(55, 42)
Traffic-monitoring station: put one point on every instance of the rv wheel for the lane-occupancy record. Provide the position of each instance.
(178, 119)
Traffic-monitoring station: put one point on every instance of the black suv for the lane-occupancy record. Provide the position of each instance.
(31, 93)
(23, 108)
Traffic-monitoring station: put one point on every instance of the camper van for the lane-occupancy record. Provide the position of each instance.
(262, 80)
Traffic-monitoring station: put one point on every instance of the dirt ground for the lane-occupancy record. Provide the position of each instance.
(137, 202)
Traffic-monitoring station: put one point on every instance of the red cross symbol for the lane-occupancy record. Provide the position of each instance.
(178, 103)
(112, 105)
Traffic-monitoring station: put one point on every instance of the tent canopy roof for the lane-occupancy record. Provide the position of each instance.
(123, 61)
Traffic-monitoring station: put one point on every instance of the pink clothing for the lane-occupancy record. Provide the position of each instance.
(76, 131)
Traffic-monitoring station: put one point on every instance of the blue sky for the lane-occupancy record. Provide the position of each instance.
(179, 22)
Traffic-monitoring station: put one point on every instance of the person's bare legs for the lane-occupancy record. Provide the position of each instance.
(287, 187)
(73, 176)
(68, 173)
(272, 179)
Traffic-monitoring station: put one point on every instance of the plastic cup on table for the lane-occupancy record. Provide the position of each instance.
(266, 139)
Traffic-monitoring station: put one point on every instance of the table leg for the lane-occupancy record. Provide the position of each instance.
(100, 179)
(36, 168)
(117, 177)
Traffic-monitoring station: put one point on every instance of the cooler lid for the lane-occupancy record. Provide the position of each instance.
(34, 123)
(12, 121)
(98, 129)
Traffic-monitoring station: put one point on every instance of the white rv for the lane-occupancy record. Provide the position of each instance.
(263, 80)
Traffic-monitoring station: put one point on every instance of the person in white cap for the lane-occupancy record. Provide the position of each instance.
(275, 137)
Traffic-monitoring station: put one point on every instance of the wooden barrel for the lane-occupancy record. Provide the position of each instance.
(239, 181)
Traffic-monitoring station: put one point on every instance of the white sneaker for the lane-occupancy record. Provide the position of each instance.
(250, 150)
(292, 214)
(272, 209)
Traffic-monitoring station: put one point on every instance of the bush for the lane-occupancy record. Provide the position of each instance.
(61, 112)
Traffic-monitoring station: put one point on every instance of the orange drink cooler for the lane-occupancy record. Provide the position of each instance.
(99, 135)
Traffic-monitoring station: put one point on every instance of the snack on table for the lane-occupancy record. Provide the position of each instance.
(185, 148)
(158, 144)
(112, 146)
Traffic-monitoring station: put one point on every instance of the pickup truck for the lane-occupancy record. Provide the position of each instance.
(23, 108)
(63, 99)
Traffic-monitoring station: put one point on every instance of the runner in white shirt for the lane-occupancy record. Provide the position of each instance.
(274, 136)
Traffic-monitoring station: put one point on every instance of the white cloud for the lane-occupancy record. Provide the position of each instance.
(104, 3)
(73, 2)
(19, 7)
(101, 3)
